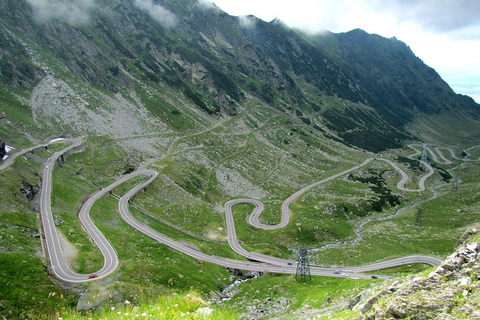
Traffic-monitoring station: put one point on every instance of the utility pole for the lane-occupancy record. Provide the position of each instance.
(303, 267)
(418, 220)
(423, 162)
(455, 184)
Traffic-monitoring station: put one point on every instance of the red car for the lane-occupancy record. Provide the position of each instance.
(92, 276)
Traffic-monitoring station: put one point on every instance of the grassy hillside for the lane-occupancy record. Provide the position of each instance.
(258, 153)
(221, 112)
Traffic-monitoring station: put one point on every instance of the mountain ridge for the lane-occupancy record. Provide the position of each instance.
(217, 61)
(222, 108)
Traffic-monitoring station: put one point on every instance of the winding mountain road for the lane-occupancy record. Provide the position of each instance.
(258, 262)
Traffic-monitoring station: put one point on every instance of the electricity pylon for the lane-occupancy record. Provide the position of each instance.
(303, 267)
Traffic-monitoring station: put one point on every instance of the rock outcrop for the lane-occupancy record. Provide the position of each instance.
(452, 291)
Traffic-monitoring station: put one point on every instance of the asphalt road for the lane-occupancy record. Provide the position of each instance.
(257, 262)
(254, 220)
(13, 156)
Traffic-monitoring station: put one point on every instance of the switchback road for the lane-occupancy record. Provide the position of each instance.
(258, 262)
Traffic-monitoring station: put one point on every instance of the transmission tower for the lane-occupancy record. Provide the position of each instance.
(418, 220)
(303, 267)
(423, 162)
(455, 184)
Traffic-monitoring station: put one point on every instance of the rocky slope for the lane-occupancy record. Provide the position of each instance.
(183, 57)
(452, 291)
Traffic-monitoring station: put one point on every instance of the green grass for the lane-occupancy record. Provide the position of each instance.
(451, 128)
(18, 221)
(68, 192)
(18, 115)
(103, 161)
(71, 185)
(319, 217)
(206, 246)
(185, 305)
(146, 265)
(444, 220)
(27, 291)
(254, 154)
(403, 270)
(319, 293)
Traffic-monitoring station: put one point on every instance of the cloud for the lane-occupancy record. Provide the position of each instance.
(74, 12)
(468, 87)
(206, 4)
(164, 16)
(247, 21)
(438, 16)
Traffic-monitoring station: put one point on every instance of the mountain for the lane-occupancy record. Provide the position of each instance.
(361, 88)
(222, 108)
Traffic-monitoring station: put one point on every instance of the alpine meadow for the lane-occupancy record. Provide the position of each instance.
(166, 160)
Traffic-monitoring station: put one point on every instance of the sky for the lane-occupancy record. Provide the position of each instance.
(445, 34)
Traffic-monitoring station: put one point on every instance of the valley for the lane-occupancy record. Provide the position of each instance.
(398, 178)
(63, 272)
(203, 154)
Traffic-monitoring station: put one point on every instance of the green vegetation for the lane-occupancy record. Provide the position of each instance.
(319, 293)
(405, 270)
(22, 265)
(224, 112)
(202, 172)
(27, 291)
(189, 305)
(444, 220)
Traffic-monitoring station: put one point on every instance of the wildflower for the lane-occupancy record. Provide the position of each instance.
(112, 308)
(127, 302)
(176, 305)
(206, 311)
(144, 314)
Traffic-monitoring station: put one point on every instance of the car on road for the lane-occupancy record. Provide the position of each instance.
(290, 263)
(374, 277)
(92, 276)
(336, 272)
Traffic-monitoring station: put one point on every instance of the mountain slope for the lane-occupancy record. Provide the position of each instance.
(451, 291)
(357, 85)
(221, 107)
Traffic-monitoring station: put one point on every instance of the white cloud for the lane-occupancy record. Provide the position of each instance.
(74, 12)
(206, 3)
(247, 21)
(444, 34)
(438, 16)
(164, 16)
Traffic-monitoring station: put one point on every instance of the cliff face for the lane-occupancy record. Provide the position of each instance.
(452, 291)
(363, 88)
